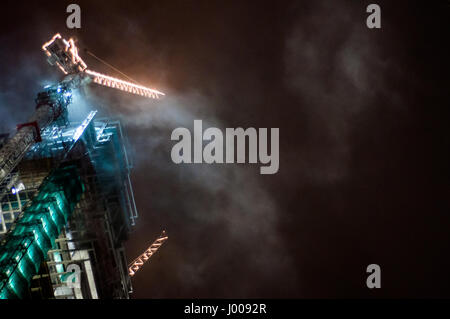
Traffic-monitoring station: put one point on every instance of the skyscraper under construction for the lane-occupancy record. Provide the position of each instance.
(67, 202)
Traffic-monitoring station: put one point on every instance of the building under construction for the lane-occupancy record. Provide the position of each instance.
(67, 203)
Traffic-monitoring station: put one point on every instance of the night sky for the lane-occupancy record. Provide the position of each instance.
(363, 117)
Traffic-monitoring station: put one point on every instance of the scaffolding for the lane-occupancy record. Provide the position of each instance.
(92, 238)
(34, 232)
(66, 198)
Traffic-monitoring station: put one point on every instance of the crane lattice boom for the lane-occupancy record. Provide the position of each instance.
(139, 262)
(123, 85)
(64, 54)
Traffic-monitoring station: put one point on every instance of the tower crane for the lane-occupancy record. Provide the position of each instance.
(51, 104)
(52, 109)
(136, 264)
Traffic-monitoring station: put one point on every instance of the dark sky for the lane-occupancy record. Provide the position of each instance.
(363, 117)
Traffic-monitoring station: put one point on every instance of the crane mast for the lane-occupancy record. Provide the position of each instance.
(51, 105)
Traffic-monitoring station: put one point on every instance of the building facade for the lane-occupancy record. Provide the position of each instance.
(66, 211)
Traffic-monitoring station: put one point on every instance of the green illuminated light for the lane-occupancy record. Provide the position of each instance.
(36, 231)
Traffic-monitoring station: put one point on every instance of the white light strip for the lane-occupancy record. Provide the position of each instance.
(139, 262)
(123, 85)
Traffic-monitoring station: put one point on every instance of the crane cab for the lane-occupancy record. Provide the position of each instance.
(64, 54)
